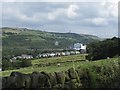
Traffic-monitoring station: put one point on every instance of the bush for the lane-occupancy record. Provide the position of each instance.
(26, 63)
(103, 49)
(7, 65)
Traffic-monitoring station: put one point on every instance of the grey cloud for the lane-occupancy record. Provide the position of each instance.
(36, 15)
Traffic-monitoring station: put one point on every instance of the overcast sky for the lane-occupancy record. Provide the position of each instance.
(95, 18)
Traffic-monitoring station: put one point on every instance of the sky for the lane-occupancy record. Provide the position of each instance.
(94, 18)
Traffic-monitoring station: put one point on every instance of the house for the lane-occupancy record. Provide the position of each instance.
(24, 56)
(67, 53)
(44, 55)
(39, 56)
(80, 47)
(72, 53)
(62, 53)
(57, 54)
(52, 54)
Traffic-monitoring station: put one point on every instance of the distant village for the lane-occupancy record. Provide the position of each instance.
(77, 48)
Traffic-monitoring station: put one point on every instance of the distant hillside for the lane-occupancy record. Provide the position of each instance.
(23, 40)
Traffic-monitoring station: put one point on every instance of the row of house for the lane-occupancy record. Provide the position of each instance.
(45, 55)
(57, 54)
(23, 56)
(75, 49)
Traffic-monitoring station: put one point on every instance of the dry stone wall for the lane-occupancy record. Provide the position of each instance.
(56, 80)
(70, 79)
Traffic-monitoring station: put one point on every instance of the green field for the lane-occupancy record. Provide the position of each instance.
(66, 62)
(50, 64)
(59, 59)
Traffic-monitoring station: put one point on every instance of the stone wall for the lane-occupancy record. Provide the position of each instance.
(70, 79)
(65, 79)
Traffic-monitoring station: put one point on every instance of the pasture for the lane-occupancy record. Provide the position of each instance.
(74, 61)
(50, 64)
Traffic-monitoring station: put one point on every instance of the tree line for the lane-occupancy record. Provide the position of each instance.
(7, 64)
(108, 48)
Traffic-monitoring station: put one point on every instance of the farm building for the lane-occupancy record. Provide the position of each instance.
(23, 56)
(79, 46)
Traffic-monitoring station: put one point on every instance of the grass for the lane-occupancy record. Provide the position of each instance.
(53, 64)
(52, 68)
(11, 30)
(64, 65)
(59, 59)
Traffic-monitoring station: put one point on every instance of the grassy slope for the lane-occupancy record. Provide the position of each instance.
(50, 68)
(66, 65)
(59, 59)
(40, 39)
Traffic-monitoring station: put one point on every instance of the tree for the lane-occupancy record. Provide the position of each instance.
(26, 63)
(103, 49)
(6, 65)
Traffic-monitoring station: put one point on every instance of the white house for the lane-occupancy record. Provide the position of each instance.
(24, 56)
(0, 69)
(67, 53)
(52, 54)
(79, 46)
(62, 53)
(77, 52)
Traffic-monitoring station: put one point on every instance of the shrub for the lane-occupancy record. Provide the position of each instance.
(26, 63)
(103, 49)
